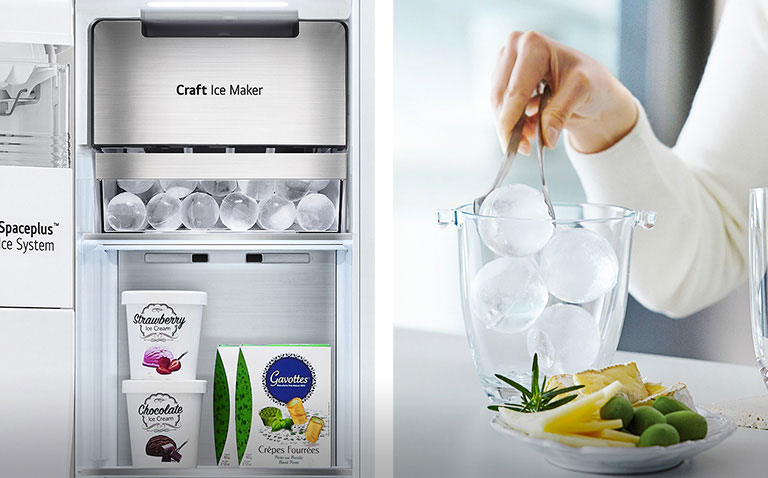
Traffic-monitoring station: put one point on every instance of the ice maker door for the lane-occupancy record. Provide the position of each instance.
(37, 399)
(218, 91)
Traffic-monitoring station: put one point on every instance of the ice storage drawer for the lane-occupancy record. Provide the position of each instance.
(218, 91)
(164, 192)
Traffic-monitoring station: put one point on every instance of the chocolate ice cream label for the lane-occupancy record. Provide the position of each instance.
(164, 421)
(163, 333)
(283, 406)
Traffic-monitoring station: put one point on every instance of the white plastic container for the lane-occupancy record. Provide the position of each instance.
(163, 333)
(164, 421)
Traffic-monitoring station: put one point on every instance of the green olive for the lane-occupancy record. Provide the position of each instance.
(659, 434)
(690, 425)
(668, 405)
(643, 418)
(618, 407)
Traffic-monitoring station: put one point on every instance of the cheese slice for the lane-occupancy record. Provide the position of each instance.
(678, 391)
(632, 386)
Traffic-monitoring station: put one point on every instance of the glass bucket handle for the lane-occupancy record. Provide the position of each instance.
(447, 217)
(645, 219)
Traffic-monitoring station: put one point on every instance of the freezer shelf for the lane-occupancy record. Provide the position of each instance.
(255, 295)
(213, 472)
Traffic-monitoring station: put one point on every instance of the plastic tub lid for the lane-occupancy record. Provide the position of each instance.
(170, 386)
(192, 297)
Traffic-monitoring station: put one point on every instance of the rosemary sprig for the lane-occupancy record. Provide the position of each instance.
(535, 399)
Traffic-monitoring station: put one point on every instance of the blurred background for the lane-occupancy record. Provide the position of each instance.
(446, 151)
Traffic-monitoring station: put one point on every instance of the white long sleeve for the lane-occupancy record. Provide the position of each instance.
(698, 251)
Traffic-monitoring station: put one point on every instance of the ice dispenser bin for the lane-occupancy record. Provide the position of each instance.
(210, 133)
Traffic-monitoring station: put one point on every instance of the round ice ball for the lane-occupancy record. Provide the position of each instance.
(579, 265)
(315, 212)
(135, 186)
(199, 211)
(276, 213)
(126, 212)
(218, 188)
(238, 211)
(508, 294)
(515, 238)
(292, 190)
(164, 212)
(178, 188)
(566, 339)
(258, 189)
(318, 184)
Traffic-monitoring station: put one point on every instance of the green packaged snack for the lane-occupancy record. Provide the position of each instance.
(224, 438)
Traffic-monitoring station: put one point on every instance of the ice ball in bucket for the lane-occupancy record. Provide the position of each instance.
(508, 294)
(164, 212)
(178, 188)
(579, 265)
(257, 189)
(126, 212)
(318, 185)
(199, 211)
(277, 213)
(135, 186)
(515, 238)
(315, 212)
(238, 211)
(292, 190)
(566, 338)
(218, 188)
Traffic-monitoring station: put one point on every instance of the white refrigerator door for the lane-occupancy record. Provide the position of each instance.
(36, 237)
(36, 392)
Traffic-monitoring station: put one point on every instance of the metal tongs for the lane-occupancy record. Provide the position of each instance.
(509, 156)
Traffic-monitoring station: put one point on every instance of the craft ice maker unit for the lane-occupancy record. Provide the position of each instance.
(254, 94)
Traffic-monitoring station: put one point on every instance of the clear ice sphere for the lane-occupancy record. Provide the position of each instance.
(318, 185)
(258, 189)
(135, 186)
(219, 188)
(566, 339)
(178, 188)
(292, 190)
(164, 212)
(126, 212)
(515, 238)
(199, 211)
(239, 211)
(315, 212)
(579, 265)
(508, 294)
(276, 213)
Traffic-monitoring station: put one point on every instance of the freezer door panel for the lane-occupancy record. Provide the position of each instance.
(37, 399)
(36, 237)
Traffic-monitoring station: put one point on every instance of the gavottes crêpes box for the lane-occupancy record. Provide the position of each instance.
(283, 406)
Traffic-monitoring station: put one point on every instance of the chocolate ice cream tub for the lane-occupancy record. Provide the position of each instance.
(164, 421)
(163, 333)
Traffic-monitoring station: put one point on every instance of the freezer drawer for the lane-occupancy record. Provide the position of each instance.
(218, 91)
(37, 353)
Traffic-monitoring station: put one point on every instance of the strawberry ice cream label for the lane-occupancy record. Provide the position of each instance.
(158, 323)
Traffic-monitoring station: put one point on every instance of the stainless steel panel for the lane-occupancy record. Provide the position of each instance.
(134, 96)
(256, 303)
(221, 166)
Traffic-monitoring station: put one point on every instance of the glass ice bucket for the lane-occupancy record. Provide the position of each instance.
(554, 288)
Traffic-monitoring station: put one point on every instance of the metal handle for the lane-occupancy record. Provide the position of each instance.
(166, 19)
(645, 219)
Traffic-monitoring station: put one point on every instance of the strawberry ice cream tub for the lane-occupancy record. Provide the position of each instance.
(163, 333)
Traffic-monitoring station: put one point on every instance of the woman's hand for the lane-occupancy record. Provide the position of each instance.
(586, 98)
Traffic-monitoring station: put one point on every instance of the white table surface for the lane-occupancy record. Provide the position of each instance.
(442, 427)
